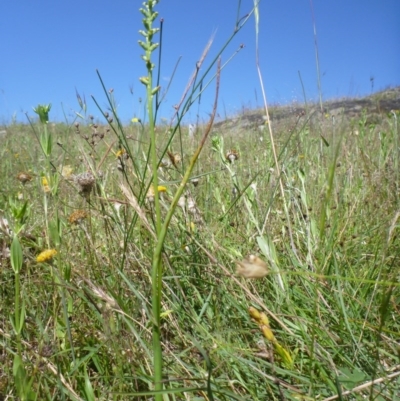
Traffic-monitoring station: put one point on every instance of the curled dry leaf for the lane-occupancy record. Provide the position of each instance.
(252, 267)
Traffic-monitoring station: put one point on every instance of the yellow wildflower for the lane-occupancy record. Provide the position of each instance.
(46, 255)
(121, 153)
(45, 184)
(151, 192)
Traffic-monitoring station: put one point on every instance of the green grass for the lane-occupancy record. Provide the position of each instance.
(333, 306)
(119, 246)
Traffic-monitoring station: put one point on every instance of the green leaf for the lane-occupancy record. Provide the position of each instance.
(88, 388)
(326, 143)
(16, 255)
(21, 317)
(19, 375)
(55, 230)
(21, 212)
(351, 378)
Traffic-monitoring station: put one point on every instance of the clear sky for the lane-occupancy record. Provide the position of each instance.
(51, 48)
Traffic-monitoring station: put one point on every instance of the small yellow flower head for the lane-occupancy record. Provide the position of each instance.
(77, 217)
(264, 319)
(151, 193)
(121, 154)
(232, 155)
(284, 354)
(136, 120)
(45, 185)
(255, 314)
(24, 177)
(46, 256)
(267, 333)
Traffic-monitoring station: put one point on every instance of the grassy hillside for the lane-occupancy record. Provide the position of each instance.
(76, 321)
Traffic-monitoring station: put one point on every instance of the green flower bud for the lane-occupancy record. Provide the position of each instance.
(42, 110)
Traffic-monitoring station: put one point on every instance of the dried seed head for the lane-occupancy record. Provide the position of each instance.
(252, 267)
(66, 172)
(182, 202)
(4, 227)
(195, 181)
(165, 163)
(24, 177)
(232, 155)
(150, 194)
(85, 182)
(120, 165)
(77, 217)
(175, 158)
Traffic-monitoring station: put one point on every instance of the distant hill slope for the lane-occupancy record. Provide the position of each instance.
(379, 103)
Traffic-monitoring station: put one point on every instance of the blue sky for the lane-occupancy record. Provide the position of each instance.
(50, 48)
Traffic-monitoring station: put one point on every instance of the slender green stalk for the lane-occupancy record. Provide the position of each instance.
(157, 265)
(317, 57)
(149, 46)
